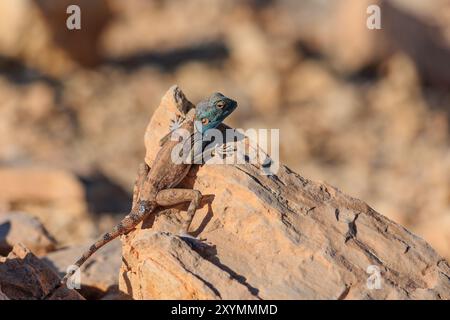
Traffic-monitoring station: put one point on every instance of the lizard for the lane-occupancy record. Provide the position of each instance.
(156, 186)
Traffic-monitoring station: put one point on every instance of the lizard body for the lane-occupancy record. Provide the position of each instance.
(155, 187)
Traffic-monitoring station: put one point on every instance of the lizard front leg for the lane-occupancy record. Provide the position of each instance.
(139, 183)
(169, 197)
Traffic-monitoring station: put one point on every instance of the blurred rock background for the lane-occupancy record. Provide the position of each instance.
(365, 110)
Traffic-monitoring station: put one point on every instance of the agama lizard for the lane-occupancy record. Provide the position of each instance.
(156, 186)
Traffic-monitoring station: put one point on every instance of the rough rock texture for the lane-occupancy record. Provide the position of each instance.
(381, 111)
(169, 269)
(20, 227)
(273, 237)
(24, 276)
(98, 275)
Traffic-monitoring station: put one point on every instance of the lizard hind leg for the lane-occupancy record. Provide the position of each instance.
(169, 197)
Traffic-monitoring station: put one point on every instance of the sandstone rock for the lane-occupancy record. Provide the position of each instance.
(24, 276)
(98, 276)
(170, 269)
(20, 227)
(55, 196)
(274, 237)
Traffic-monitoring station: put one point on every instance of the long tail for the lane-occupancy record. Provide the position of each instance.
(124, 226)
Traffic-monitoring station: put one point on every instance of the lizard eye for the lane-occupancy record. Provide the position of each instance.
(220, 105)
(205, 121)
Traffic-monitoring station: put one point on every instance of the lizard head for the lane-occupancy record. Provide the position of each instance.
(211, 112)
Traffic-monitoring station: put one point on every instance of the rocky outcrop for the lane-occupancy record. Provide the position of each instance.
(24, 276)
(20, 227)
(273, 237)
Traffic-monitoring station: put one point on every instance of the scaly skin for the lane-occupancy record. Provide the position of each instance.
(154, 187)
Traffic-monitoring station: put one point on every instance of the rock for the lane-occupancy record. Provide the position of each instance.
(273, 237)
(170, 269)
(20, 227)
(55, 196)
(98, 276)
(25, 277)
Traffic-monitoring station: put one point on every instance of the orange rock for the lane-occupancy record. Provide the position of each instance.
(274, 237)
(19, 227)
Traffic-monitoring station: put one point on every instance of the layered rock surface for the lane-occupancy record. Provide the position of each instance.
(273, 237)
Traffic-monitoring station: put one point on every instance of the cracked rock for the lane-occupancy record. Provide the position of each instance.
(261, 242)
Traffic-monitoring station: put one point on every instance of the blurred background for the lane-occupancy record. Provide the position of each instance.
(367, 111)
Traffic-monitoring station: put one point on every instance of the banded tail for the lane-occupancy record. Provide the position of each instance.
(123, 227)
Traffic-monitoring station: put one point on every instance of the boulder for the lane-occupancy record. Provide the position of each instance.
(277, 236)
(19, 227)
(170, 269)
(23, 276)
